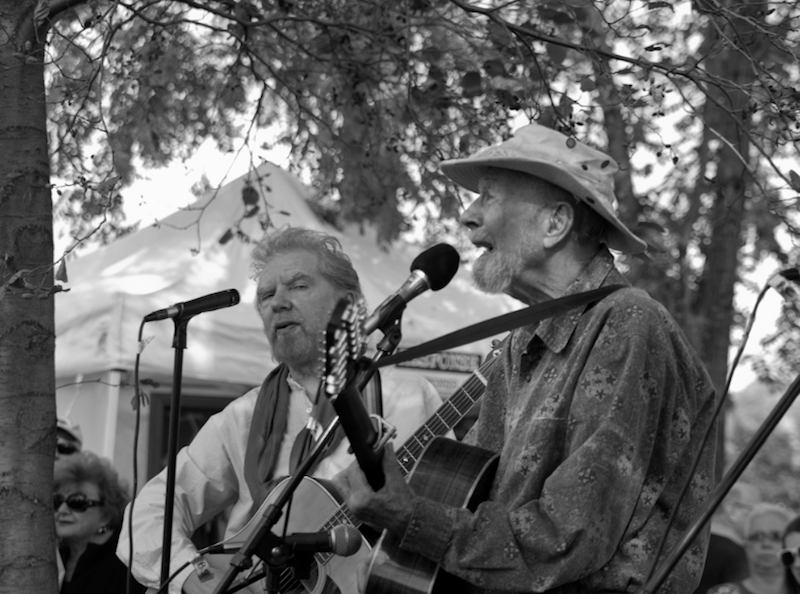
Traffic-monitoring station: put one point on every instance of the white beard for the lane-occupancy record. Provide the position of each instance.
(493, 272)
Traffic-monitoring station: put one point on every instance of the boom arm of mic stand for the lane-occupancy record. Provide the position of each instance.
(724, 486)
(392, 335)
(273, 512)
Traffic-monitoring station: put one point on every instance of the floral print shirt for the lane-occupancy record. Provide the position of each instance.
(597, 415)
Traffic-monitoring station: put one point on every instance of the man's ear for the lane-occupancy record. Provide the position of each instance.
(559, 225)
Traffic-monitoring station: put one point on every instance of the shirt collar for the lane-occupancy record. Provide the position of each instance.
(294, 385)
(555, 332)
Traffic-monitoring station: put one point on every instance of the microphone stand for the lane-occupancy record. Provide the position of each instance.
(179, 344)
(392, 335)
(262, 540)
(724, 486)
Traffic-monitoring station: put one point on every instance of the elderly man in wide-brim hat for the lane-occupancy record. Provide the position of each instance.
(599, 414)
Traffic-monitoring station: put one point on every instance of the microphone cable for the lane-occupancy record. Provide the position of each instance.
(138, 401)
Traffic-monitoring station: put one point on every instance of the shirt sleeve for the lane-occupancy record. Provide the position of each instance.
(205, 484)
(625, 398)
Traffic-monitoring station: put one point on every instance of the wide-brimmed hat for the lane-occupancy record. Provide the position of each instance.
(72, 430)
(581, 170)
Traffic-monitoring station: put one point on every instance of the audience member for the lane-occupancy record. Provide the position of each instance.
(69, 442)
(763, 531)
(726, 560)
(89, 501)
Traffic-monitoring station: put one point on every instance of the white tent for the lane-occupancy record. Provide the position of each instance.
(199, 250)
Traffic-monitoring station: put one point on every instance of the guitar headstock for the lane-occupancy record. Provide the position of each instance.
(345, 343)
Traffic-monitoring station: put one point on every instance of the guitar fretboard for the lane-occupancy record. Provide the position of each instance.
(443, 420)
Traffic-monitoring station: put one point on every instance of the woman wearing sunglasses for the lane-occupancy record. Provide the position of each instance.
(790, 556)
(763, 533)
(89, 500)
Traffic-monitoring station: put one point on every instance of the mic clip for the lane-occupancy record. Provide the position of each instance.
(277, 555)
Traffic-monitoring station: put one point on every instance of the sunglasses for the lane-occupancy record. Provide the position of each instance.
(76, 502)
(66, 449)
(789, 555)
(763, 537)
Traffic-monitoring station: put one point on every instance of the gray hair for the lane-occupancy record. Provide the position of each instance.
(335, 266)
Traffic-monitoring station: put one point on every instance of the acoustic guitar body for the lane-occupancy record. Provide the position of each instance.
(449, 472)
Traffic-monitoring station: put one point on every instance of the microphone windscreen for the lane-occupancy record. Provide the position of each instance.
(346, 540)
(439, 263)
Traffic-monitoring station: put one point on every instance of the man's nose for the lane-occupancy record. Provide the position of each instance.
(280, 300)
(471, 218)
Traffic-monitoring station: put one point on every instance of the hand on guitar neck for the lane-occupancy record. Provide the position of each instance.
(390, 507)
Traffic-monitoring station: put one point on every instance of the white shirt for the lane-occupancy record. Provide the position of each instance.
(209, 474)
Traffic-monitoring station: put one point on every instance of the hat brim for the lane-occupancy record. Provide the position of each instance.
(467, 173)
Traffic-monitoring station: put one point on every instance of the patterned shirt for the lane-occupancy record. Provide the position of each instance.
(597, 415)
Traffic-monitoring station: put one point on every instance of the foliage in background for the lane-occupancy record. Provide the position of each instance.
(698, 102)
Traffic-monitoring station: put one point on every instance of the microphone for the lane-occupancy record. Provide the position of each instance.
(187, 309)
(343, 540)
(432, 269)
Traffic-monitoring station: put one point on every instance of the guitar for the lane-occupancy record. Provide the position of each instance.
(448, 472)
(322, 507)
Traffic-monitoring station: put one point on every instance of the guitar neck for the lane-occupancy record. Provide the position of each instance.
(446, 417)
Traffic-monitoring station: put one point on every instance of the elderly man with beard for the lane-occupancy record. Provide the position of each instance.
(597, 414)
(241, 453)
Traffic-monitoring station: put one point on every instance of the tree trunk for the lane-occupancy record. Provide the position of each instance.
(723, 113)
(27, 384)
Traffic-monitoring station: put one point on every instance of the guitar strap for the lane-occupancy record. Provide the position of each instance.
(499, 324)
